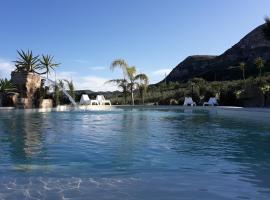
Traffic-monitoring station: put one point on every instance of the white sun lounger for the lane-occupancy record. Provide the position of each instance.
(86, 101)
(189, 102)
(102, 101)
(212, 102)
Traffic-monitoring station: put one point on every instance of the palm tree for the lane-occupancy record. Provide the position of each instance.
(243, 66)
(259, 62)
(122, 84)
(48, 64)
(133, 78)
(130, 77)
(131, 74)
(266, 28)
(142, 85)
(27, 62)
(122, 64)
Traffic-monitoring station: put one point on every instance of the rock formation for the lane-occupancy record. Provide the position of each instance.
(28, 85)
(225, 66)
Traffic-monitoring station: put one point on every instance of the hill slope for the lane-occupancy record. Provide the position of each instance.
(224, 67)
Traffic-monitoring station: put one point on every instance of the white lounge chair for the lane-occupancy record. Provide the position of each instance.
(102, 101)
(86, 101)
(212, 102)
(189, 102)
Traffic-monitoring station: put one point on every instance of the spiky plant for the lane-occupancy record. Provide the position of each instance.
(47, 63)
(27, 62)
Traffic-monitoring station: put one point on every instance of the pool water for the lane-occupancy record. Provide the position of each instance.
(138, 153)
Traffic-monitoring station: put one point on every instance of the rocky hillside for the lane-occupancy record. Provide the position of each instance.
(224, 67)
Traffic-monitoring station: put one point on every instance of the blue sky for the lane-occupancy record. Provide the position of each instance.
(85, 36)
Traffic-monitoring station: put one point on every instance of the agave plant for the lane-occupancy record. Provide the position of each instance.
(47, 63)
(27, 62)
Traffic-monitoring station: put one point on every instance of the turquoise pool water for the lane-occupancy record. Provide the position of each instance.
(133, 154)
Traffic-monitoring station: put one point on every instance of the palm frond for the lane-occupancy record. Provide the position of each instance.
(142, 78)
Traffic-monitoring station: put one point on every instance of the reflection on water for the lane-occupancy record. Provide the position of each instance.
(175, 152)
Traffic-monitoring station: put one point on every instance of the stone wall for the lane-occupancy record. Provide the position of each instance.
(46, 103)
(28, 85)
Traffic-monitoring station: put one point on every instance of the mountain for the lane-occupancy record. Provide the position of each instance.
(225, 66)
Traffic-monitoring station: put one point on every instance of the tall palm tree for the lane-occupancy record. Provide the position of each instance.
(266, 27)
(243, 66)
(47, 63)
(122, 64)
(27, 62)
(134, 80)
(130, 76)
(142, 85)
(259, 62)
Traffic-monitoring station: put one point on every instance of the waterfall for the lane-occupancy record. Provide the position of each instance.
(64, 91)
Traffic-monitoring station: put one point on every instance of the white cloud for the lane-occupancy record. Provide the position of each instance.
(81, 82)
(162, 72)
(5, 68)
(94, 83)
(97, 68)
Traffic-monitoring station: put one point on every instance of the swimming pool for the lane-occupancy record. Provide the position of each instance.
(133, 153)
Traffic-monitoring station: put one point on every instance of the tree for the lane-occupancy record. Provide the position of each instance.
(48, 64)
(142, 85)
(71, 88)
(56, 95)
(243, 66)
(122, 84)
(61, 86)
(266, 28)
(259, 62)
(27, 62)
(122, 64)
(6, 86)
(131, 74)
(133, 77)
(130, 77)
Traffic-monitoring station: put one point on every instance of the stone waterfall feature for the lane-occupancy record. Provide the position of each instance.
(28, 85)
